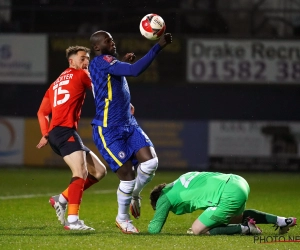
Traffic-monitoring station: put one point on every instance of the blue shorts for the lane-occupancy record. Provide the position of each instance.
(119, 144)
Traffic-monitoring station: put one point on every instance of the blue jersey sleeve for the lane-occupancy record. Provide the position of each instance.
(135, 69)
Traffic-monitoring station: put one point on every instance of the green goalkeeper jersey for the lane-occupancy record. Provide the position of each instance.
(191, 191)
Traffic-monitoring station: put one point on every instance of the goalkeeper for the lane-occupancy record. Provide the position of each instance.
(222, 197)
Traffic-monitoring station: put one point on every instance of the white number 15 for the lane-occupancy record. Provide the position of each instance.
(58, 90)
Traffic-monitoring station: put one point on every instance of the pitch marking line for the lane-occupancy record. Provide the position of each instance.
(29, 196)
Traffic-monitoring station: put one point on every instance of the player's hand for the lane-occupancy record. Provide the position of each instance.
(129, 57)
(43, 142)
(165, 39)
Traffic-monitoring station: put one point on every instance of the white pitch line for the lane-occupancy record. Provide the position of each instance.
(29, 196)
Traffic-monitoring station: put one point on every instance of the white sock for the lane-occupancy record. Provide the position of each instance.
(124, 195)
(62, 199)
(72, 218)
(142, 179)
(281, 221)
(245, 229)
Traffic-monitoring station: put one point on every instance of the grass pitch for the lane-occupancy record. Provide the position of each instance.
(29, 222)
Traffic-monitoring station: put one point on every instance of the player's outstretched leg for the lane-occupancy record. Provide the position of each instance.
(283, 223)
(247, 228)
(59, 207)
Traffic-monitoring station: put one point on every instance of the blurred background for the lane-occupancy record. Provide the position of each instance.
(224, 96)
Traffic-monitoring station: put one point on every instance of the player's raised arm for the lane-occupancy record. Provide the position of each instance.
(142, 64)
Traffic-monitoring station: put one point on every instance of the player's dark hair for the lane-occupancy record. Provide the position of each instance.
(155, 193)
(95, 37)
(72, 50)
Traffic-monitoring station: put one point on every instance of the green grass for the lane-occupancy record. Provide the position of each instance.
(28, 222)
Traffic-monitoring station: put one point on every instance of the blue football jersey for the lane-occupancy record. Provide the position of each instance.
(110, 88)
(111, 92)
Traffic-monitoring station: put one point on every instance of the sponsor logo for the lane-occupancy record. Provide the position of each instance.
(108, 58)
(7, 144)
(5, 52)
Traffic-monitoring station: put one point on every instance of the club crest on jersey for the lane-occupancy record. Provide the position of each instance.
(121, 155)
(108, 58)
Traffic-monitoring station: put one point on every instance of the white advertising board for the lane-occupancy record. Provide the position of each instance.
(23, 59)
(11, 140)
(256, 144)
(243, 61)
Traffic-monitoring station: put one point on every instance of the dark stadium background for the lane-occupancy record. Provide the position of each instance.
(169, 96)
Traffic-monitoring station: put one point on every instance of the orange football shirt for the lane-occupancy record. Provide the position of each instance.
(65, 96)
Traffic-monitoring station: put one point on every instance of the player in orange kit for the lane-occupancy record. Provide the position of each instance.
(64, 100)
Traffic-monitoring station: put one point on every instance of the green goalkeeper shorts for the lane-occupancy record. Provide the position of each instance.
(232, 203)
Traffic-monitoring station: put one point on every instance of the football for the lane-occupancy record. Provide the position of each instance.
(152, 26)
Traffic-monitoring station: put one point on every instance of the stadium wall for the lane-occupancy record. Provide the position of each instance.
(178, 110)
(181, 144)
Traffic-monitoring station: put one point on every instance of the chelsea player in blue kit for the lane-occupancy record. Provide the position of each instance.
(116, 133)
